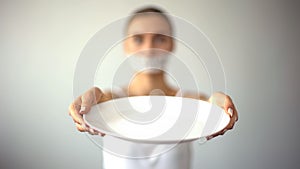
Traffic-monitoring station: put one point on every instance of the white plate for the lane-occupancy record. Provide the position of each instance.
(157, 119)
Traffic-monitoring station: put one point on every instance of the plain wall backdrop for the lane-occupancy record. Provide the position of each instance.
(40, 42)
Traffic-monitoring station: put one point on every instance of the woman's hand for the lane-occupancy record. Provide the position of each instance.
(226, 103)
(82, 105)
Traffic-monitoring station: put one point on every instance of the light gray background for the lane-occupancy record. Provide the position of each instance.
(40, 41)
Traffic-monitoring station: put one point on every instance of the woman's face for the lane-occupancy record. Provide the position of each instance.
(150, 31)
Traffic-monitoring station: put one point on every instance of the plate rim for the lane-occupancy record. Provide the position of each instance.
(154, 141)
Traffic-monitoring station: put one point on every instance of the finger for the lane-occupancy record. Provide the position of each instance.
(87, 103)
(84, 109)
(84, 128)
(231, 124)
(228, 106)
(76, 104)
(231, 107)
(235, 114)
(209, 137)
(229, 111)
(95, 132)
(212, 136)
(222, 132)
(100, 134)
(92, 131)
(73, 107)
(215, 135)
(81, 128)
(77, 118)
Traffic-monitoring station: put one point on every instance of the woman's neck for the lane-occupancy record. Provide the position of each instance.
(149, 84)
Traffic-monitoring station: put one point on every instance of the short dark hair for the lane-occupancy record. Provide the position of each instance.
(145, 10)
(149, 9)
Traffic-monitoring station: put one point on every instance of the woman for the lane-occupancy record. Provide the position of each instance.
(149, 37)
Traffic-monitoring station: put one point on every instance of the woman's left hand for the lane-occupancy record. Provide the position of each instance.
(225, 102)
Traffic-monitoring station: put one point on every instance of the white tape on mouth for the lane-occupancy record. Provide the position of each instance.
(149, 64)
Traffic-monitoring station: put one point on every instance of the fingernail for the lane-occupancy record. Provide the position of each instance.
(230, 111)
(82, 109)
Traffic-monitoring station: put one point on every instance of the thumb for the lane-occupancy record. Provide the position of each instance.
(90, 98)
(87, 101)
(84, 109)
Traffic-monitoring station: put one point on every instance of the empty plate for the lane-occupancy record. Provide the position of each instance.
(157, 119)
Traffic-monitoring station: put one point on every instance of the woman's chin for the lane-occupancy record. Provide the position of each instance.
(151, 71)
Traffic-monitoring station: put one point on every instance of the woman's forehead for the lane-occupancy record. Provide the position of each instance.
(149, 23)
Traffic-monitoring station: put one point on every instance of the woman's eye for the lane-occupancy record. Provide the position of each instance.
(137, 39)
(160, 39)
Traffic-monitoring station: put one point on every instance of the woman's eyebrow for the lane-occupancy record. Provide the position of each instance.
(161, 35)
(134, 35)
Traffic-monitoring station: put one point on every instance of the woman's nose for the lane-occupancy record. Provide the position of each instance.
(147, 48)
(148, 44)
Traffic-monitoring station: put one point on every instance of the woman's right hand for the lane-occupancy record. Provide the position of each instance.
(82, 105)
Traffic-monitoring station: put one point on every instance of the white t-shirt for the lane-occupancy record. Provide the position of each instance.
(123, 154)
